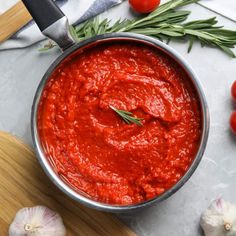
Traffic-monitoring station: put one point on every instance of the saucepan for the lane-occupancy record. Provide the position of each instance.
(54, 24)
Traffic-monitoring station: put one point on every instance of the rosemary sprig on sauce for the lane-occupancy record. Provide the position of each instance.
(165, 23)
(128, 116)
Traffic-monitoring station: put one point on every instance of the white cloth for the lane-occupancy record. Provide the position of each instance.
(5, 4)
(75, 10)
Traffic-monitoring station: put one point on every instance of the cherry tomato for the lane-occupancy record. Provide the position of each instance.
(144, 6)
(233, 122)
(233, 90)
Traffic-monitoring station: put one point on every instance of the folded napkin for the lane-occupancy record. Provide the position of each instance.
(76, 11)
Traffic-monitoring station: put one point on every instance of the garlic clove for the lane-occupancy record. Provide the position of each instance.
(219, 219)
(37, 221)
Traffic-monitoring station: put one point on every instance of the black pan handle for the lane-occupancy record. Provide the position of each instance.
(51, 21)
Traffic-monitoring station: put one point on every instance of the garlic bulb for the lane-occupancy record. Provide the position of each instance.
(37, 221)
(219, 219)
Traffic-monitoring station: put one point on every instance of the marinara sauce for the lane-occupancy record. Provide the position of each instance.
(93, 149)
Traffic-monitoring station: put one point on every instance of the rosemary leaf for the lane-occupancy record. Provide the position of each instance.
(191, 41)
(127, 116)
(227, 51)
(47, 46)
(73, 33)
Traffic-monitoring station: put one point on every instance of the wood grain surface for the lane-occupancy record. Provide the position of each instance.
(12, 20)
(24, 184)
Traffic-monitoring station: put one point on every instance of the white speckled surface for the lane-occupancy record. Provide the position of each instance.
(21, 71)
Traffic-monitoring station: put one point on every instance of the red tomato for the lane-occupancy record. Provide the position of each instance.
(233, 90)
(233, 122)
(144, 6)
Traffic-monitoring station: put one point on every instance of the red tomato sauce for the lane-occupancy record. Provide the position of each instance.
(93, 149)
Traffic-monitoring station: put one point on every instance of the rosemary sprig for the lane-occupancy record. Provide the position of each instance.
(165, 23)
(127, 116)
(47, 46)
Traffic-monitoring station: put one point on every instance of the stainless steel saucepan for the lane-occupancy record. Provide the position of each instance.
(54, 24)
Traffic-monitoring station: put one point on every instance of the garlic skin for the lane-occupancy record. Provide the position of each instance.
(37, 221)
(219, 219)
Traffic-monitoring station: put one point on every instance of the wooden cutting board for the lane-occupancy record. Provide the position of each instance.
(12, 20)
(24, 184)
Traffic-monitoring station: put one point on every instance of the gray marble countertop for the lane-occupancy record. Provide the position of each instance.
(22, 69)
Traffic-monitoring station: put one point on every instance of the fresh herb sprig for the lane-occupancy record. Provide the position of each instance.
(165, 23)
(47, 46)
(127, 116)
